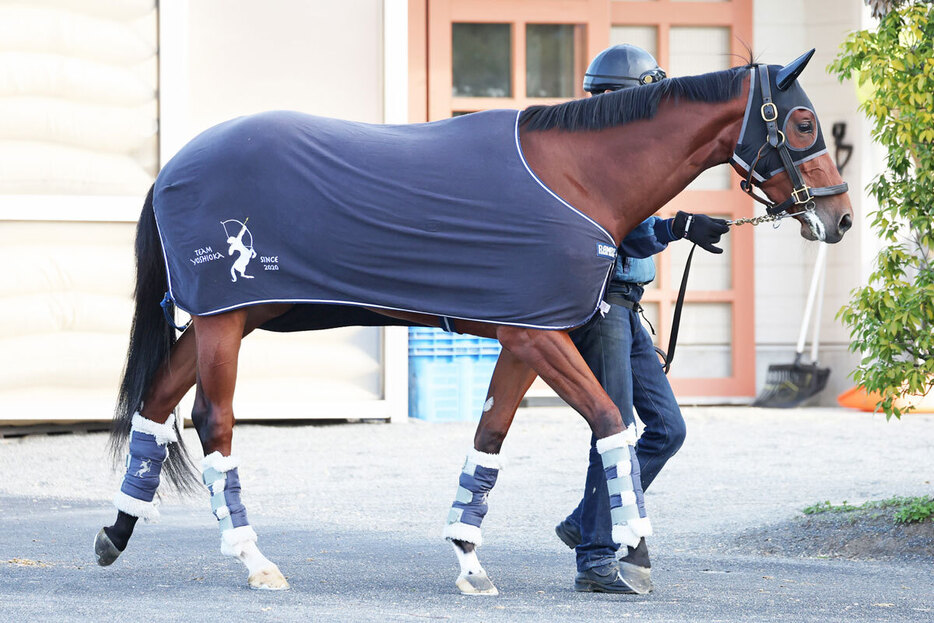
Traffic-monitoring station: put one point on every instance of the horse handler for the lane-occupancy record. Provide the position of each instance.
(621, 355)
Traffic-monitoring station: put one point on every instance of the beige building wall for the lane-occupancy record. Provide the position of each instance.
(65, 315)
(68, 270)
(784, 261)
(67, 281)
(323, 58)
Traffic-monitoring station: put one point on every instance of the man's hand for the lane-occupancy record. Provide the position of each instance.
(700, 229)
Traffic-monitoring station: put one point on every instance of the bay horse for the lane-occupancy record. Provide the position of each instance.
(599, 167)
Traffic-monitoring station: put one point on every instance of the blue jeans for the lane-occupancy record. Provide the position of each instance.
(621, 355)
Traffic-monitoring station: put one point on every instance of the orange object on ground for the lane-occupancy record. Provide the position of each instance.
(859, 398)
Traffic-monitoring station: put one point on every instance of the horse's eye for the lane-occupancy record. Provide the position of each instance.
(805, 127)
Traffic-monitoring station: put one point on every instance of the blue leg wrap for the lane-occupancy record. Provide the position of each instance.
(637, 481)
(148, 441)
(143, 466)
(624, 484)
(470, 506)
(225, 497)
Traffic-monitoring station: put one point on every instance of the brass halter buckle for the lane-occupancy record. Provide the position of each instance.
(796, 194)
(774, 110)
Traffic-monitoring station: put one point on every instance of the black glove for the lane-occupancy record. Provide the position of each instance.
(700, 229)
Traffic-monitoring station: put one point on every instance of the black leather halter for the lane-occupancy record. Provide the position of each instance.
(801, 194)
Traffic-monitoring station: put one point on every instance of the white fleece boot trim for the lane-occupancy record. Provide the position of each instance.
(490, 461)
(623, 438)
(624, 535)
(164, 433)
(219, 462)
(146, 511)
(641, 526)
(234, 540)
(463, 532)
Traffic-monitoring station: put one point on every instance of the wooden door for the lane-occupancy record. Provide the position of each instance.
(469, 55)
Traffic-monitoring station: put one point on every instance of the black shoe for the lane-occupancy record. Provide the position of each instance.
(604, 579)
(635, 568)
(569, 534)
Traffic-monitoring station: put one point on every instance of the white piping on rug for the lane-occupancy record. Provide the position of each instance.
(551, 192)
(221, 310)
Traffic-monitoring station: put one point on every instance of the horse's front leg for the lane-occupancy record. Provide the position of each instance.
(218, 344)
(554, 357)
(511, 379)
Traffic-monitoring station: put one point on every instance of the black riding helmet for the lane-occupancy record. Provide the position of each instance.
(621, 66)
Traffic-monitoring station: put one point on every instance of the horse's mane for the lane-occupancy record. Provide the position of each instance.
(632, 104)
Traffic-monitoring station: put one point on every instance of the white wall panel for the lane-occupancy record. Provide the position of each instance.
(65, 312)
(784, 261)
(65, 292)
(323, 58)
(78, 109)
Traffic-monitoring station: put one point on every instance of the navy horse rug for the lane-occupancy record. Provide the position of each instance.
(444, 218)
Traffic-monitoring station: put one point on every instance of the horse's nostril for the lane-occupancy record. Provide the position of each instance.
(846, 221)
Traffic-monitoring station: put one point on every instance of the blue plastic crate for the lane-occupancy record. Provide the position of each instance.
(449, 375)
(436, 342)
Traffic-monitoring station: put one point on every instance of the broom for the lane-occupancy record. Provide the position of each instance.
(788, 385)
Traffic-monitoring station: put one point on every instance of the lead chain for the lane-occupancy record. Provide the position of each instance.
(766, 218)
(755, 220)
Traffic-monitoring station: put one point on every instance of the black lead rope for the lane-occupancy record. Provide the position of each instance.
(676, 319)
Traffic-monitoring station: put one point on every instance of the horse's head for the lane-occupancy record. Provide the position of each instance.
(781, 150)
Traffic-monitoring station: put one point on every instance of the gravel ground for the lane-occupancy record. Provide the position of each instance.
(352, 513)
(855, 535)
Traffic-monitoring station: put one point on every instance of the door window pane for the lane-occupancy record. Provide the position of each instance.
(481, 60)
(550, 60)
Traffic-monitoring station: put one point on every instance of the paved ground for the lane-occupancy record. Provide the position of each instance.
(352, 513)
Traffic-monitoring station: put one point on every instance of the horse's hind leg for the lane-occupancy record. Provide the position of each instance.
(167, 389)
(218, 344)
(511, 379)
(153, 427)
(147, 452)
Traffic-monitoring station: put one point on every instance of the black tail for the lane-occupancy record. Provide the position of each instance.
(151, 339)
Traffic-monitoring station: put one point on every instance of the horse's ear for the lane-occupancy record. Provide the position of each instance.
(790, 72)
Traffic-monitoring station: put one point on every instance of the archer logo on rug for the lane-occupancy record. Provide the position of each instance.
(240, 241)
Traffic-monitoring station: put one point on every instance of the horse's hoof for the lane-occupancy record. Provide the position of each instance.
(105, 550)
(269, 579)
(638, 578)
(476, 584)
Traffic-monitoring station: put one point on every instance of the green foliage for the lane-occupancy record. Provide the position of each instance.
(827, 507)
(916, 510)
(891, 319)
(907, 510)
